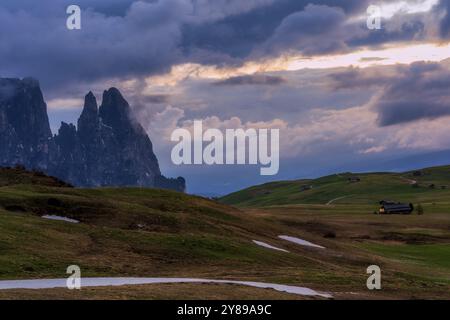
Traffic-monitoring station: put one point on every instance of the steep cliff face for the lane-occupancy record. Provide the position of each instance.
(109, 148)
(133, 150)
(25, 135)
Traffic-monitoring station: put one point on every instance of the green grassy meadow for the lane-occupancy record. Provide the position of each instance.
(372, 188)
(156, 233)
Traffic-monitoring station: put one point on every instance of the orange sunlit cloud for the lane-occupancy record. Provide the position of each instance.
(405, 54)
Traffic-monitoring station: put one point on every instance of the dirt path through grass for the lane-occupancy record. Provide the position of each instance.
(329, 203)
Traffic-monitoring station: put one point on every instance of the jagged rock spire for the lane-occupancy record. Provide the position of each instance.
(115, 111)
(88, 121)
(108, 148)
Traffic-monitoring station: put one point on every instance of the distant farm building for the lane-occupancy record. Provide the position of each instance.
(263, 192)
(417, 173)
(305, 188)
(391, 207)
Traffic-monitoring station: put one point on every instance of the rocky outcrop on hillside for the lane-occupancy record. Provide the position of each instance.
(107, 148)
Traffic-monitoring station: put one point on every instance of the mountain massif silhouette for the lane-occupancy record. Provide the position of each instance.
(107, 148)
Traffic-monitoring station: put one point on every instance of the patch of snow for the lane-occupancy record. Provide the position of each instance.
(300, 242)
(59, 218)
(108, 282)
(266, 245)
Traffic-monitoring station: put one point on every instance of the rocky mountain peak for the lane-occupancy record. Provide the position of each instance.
(88, 121)
(108, 148)
(90, 103)
(25, 127)
(114, 110)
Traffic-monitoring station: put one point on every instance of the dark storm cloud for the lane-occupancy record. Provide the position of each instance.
(252, 80)
(392, 112)
(309, 27)
(123, 39)
(156, 99)
(238, 35)
(44, 7)
(119, 39)
(352, 78)
(142, 42)
(421, 92)
(315, 30)
(413, 28)
(444, 8)
(405, 93)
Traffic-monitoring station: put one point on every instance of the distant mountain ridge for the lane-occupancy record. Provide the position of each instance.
(109, 148)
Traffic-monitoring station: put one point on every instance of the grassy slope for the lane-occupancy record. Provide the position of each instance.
(135, 232)
(416, 245)
(18, 175)
(127, 223)
(141, 232)
(372, 188)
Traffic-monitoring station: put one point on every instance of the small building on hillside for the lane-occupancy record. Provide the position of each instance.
(305, 188)
(354, 179)
(391, 207)
(417, 173)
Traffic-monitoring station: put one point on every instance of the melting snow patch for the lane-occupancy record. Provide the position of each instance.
(108, 282)
(59, 218)
(300, 242)
(265, 245)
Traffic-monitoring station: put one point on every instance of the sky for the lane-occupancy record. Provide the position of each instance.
(344, 97)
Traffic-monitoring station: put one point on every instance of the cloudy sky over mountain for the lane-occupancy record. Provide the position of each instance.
(344, 97)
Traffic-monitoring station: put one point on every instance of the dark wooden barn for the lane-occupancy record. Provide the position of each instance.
(391, 207)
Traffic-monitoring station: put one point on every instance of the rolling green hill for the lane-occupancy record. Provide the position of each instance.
(130, 232)
(133, 232)
(423, 186)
